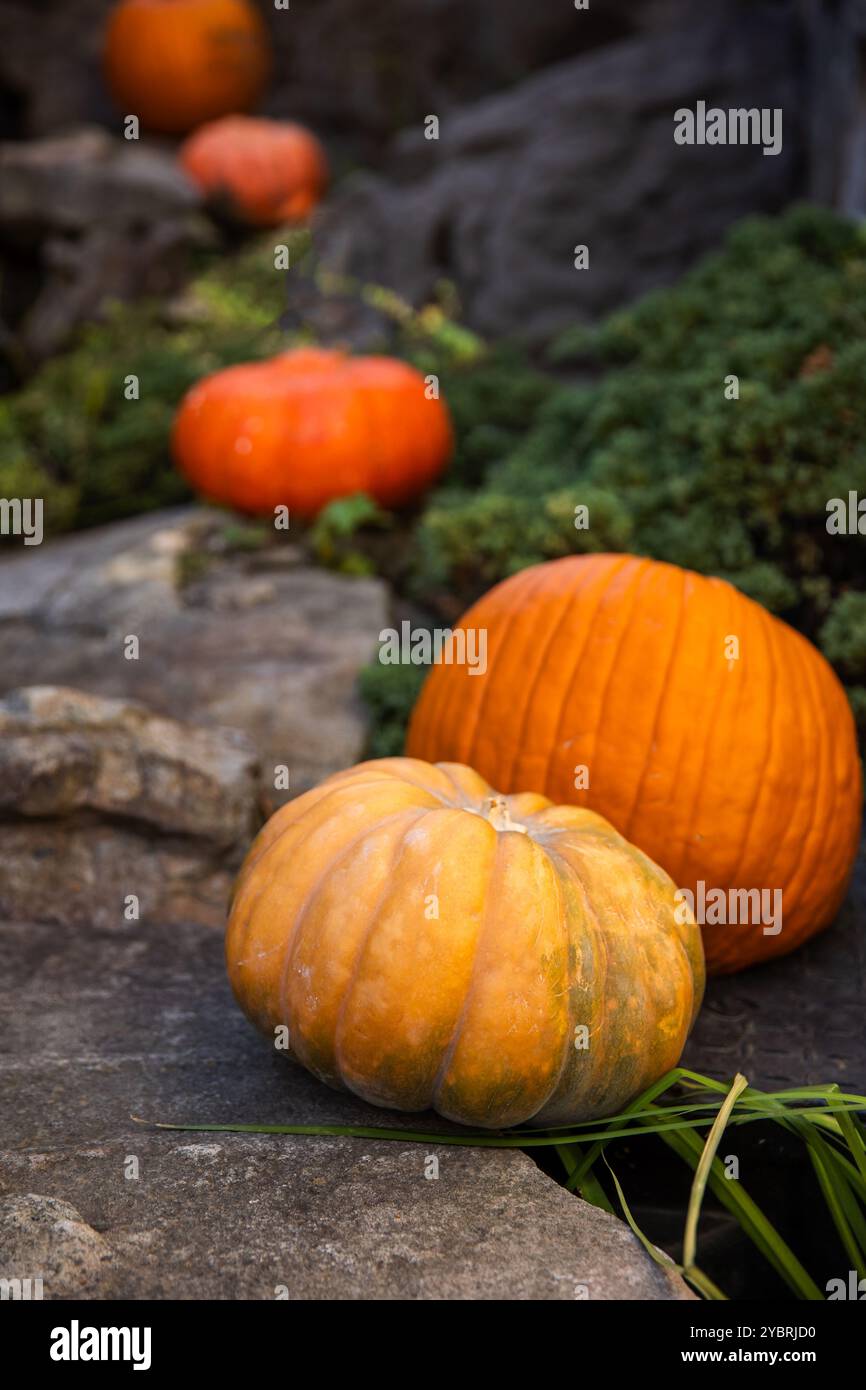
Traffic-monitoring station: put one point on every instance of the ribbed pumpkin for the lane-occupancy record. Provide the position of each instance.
(429, 943)
(310, 426)
(737, 769)
(266, 171)
(176, 63)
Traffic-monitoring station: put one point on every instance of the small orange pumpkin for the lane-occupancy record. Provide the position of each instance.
(310, 426)
(176, 63)
(429, 943)
(709, 733)
(267, 171)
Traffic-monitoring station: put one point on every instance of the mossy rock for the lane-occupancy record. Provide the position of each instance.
(77, 436)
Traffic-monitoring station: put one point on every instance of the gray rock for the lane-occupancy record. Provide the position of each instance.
(107, 219)
(62, 751)
(356, 72)
(70, 873)
(272, 649)
(44, 1239)
(102, 800)
(581, 154)
(102, 1025)
(243, 1217)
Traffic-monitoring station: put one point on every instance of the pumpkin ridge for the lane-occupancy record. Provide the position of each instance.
(601, 961)
(448, 1054)
(399, 851)
(808, 791)
(569, 685)
(463, 796)
(398, 775)
(679, 839)
(632, 592)
(766, 632)
(240, 937)
(315, 889)
(291, 821)
(660, 700)
(534, 679)
(328, 788)
(713, 724)
(568, 870)
(806, 861)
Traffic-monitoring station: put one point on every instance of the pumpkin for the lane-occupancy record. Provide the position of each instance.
(310, 426)
(176, 63)
(427, 942)
(709, 733)
(267, 171)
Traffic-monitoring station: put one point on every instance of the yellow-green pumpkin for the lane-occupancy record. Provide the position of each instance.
(430, 943)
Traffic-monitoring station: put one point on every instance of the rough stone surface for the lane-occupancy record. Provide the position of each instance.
(93, 219)
(62, 751)
(345, 66)
(43, 1238)
(582, 153)
(256, 642)
(100, 1025)
(100, 799)
(71, 873)
(526, 166)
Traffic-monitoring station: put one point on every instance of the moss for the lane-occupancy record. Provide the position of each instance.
(72, 436)
(669, 467)
(336, 528)
(389, 692)
(843, 634)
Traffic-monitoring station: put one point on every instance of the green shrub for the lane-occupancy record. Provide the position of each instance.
(671, 468)
(72, 437)
(389, 692)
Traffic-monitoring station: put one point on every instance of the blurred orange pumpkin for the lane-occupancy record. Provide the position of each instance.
(267, 171)
(427, 942)
(176, 63)
(711, 734)
(309, 426)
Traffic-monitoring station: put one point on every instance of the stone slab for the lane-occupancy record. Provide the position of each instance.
(99, 1025)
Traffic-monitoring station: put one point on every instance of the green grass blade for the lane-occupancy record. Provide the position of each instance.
(694, 1275)
(702, 1171)
(760, 1230)
(658, 1255)
(833, 1187)
(590, 1188)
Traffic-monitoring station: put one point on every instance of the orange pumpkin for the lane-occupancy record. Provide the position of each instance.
(267, 171)
(712, 735)
(176, 63)
(427, 942)
(310, 426)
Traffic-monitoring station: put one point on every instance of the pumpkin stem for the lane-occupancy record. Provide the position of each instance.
(495, 809)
